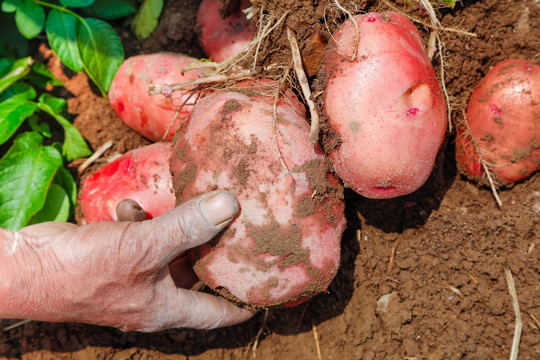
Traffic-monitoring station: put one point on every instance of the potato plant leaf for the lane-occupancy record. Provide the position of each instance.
(26, 172)
(19, 91)
(40, 127)
(74, 146)
(56, 207)
(109, 10)
(65, 180)
(76, 3)
(60, 28)
(146, 19)
(41, 76)
(10, 6)
(101, 51)
(17, 71)
(12, 114)
(30, 19)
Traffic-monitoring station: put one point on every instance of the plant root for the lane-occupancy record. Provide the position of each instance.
(519, 325)
(485, 165)
(96, 155)
(304, 85)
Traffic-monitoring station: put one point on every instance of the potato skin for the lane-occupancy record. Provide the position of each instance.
(151, 115)
(284, 246)
(141, 175)
(503, 114)
(223, 38)
(386, 106)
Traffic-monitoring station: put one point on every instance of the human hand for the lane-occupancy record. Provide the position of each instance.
(119, 273)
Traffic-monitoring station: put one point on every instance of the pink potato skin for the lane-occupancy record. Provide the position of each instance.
(386, 105)
(223, 38)
(151, 115)
(141, 175)
(503, 114)
(284, 246)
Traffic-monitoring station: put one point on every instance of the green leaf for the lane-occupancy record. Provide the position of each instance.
(12, 114)
(10, 6)
(101, 51)
(26, 172)
(12, 43)
(17, 71)
(56, 207)
(39, 127)
(77, 3)
(109, 10)
(41, 76)
(57, 105)
(65, 180)
(30, 19)
(146, 19)
(60, 29)
(20, 91)
(74, 146)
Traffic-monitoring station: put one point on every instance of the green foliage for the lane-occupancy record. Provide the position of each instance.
(100, 50)
(109, 10)
(34, 185)
(81, 43)
(26, 172)
(147, 19)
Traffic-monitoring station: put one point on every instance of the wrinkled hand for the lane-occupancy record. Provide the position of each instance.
(127, 274)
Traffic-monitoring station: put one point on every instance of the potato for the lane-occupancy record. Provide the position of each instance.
(284, 246)
(152, 115)
(141, 175)
(223, 38)
(386, 108)
(503, 113)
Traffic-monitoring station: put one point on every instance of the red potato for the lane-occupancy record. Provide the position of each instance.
(386, 106)
(284, 246)
(503, 113)
(141, 175)
(223, 38)
(152, 115)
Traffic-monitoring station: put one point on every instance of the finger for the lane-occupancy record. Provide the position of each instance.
(51, 228)
(184, 308)
(130, 210)
(189, 225)
(182, 273)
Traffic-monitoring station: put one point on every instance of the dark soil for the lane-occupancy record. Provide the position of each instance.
(441, 251)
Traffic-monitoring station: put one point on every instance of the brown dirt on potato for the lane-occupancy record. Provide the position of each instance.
(449, 235)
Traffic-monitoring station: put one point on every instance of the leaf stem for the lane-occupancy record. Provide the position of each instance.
(85, 24)
(60, 8)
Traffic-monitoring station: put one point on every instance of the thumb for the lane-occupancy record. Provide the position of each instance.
(190, 224)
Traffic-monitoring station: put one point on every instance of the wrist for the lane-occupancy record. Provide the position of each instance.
(16, 270)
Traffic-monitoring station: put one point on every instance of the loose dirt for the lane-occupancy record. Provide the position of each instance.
(439, 254)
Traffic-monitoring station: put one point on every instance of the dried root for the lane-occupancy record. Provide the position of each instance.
(304, 85)
(485, 165)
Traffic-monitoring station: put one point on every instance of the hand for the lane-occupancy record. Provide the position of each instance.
(119, 273)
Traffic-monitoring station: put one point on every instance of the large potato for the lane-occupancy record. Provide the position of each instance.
(385, 107)
(141, 175)
(284, 247)
(152, 116)
(503, 113)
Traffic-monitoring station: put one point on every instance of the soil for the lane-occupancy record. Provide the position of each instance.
(421, 277)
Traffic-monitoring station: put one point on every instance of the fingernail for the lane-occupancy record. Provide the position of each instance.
(219, 207)
(130, 210)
